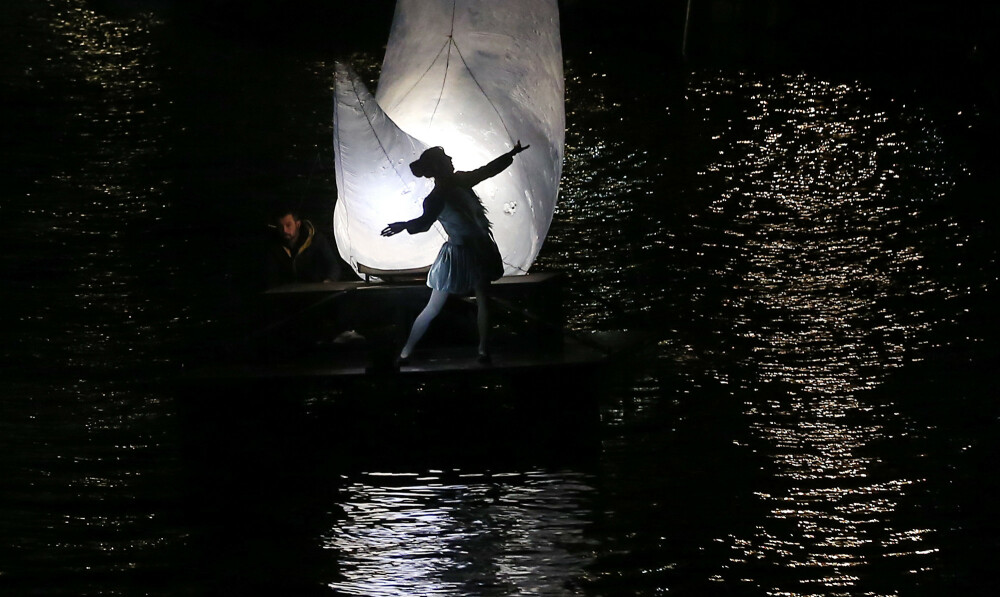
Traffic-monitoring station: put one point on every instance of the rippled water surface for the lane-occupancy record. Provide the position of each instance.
(812, 254)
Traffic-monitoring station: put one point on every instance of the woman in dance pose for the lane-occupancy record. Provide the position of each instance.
(469, 260)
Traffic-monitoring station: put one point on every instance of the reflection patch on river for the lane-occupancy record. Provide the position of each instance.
(823, 192)
(446, 533)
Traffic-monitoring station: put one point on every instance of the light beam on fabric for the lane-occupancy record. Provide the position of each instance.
(473, 76)
(374, 183)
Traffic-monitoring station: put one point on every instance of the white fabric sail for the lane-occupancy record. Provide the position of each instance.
(374, 182)
(473, 76)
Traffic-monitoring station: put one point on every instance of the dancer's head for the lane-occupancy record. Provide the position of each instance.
(433, 162)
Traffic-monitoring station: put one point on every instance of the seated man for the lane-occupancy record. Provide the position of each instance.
(303, 255)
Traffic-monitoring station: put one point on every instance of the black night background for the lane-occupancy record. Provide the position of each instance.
(794, 198)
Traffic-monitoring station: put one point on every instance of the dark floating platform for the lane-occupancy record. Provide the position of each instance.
(302, 336)
(599, 348)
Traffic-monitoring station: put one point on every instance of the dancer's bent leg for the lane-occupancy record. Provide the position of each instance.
(423, 321)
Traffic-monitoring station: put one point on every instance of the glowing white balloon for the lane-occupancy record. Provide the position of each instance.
(374, 182)
(473, 76)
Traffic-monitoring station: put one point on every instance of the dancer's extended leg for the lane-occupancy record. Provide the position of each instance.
(423, 321)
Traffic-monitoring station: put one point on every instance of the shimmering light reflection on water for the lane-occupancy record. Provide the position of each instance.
(98, 177)
(825, 194)
(607, 179)
(89, 454)
(122, 131)
(447, 533)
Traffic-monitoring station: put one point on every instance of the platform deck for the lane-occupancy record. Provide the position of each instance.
(529, 334)
(358, 362)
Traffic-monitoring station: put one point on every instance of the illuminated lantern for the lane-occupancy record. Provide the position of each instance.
(473, 76)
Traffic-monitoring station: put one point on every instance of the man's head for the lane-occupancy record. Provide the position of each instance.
(290, 224)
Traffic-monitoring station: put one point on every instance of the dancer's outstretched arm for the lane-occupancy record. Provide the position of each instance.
(433, 205)
(498, 165)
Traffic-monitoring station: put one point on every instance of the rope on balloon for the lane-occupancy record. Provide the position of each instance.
(368, 119)
(446, 44)
(385, 152)
(481, 90)
(447, 63)
(449, 43)
(424, 74)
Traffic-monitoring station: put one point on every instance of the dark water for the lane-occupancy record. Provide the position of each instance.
(812, 249)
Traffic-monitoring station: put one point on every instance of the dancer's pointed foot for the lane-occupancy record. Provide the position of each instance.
(484, 358)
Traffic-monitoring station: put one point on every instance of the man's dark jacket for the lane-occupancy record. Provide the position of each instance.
(310, 260)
